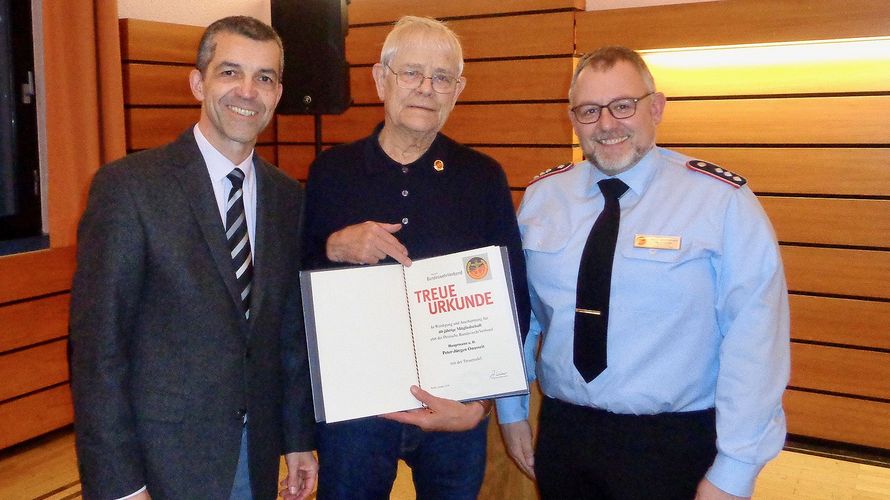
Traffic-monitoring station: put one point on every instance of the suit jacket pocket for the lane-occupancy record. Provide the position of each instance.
(160, 406)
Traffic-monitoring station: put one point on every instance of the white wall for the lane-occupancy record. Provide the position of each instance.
(193, 12)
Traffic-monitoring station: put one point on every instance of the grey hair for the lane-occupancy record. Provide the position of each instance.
(429, 29)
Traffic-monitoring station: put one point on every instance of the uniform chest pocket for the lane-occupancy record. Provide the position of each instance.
(547, 238)
(687, 252)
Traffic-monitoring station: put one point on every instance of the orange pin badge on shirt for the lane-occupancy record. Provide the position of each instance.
(439, 165)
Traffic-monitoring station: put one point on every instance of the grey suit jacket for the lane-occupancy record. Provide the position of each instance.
(163, 363)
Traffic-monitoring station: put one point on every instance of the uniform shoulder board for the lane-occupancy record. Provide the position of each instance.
(565, 167)
(717, 172)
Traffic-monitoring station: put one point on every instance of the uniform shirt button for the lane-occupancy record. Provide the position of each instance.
(404, 220)
(404, 192)
(240, 412)
(404, 170)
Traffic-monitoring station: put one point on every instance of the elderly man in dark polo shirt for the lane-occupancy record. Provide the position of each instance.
(407, 191)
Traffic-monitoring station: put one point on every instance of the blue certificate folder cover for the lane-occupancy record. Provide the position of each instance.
(447, 324)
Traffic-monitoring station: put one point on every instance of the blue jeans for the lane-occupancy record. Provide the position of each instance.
(358, 460)
(241, 487)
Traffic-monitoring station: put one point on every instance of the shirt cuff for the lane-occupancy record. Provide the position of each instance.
(131, 495)
(732, 476)
(512, 409)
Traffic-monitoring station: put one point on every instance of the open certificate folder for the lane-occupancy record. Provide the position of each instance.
(447, 324)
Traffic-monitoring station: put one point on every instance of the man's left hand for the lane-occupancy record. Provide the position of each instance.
(440, 414)
(302, 472)
(707, 491)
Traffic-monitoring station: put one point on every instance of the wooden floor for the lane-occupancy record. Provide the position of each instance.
(46, 469)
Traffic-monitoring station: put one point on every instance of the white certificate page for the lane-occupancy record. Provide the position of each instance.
(365, 353)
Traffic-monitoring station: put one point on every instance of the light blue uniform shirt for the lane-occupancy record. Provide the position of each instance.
(703, 326)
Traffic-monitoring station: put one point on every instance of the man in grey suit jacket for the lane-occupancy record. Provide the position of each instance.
(187, 381)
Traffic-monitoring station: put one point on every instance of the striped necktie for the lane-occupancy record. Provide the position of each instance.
(239, 243)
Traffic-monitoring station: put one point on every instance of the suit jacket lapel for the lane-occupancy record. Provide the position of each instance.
(191, 173)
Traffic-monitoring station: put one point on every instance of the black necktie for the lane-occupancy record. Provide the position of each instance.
(239, 243)
(594, 282)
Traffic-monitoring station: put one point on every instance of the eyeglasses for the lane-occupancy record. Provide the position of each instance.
(413, 79)
(619, 108)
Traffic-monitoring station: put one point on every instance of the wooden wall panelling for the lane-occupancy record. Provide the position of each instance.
(33, 321)
(297, 128)
(522, 163)
(731, 22)
(838, 171)
(469, 124)
(35, 368)
(161, 42)
(268, 152)
(525, 123)
(385, 11)
(151, 127)
(830, 221)
(157, 84)
(355, 123)
(295, 160)
(518, 80)
(852, 119)
(544, 79)
(32, 274)
(837, 418)
(526, 35)
(517, 198)
(361, 86)
(512, 36)
(35, 414)
(840, 370)
(856, 273)
(840, 321)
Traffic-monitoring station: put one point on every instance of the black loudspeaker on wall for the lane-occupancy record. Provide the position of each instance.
(316, 74)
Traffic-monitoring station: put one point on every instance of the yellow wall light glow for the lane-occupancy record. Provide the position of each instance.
(831, 66)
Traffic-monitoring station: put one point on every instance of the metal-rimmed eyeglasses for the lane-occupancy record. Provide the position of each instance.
(413, 79)
(619, 108)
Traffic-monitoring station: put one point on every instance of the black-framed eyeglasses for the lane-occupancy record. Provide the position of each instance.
(413, 79)
(619, 108)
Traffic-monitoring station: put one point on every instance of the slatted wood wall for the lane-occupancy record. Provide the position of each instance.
(815, 150)
(34, 393)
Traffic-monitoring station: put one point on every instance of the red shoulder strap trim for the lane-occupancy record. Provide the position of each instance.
(565, 167)
(717, 172)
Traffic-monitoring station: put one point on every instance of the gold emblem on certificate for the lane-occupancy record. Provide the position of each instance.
(477, 268)
(657, 241)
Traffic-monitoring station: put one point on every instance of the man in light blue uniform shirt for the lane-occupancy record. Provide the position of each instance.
(690, 402)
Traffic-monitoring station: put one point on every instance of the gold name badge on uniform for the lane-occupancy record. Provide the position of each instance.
(657, 241)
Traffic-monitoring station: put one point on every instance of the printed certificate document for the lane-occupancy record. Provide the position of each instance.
(447, 324)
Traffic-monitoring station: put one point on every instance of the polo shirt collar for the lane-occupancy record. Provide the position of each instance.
(379, 162)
